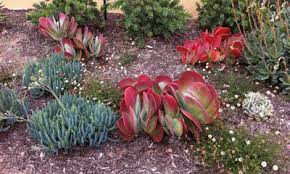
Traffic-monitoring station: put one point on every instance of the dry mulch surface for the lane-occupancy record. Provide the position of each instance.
(20, 42)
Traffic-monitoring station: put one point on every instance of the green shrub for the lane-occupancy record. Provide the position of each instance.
(55, 72)
(3, 17)
(236, 151)
(107, 93)
(267, 46)
(70, 121)
(11, 108)
(84, 11)
(214, 13)
(147, 18)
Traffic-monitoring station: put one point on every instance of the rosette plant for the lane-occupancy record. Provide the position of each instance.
(74, 42)
(166, 106)
(219, 46)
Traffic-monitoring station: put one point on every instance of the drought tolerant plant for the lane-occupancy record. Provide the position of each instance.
(237, 151)
(104, 92)
(165, 106)
(267, 53)
(221, 13)
(258, 106)
(58, 74)
(152, 17)
(74, 42)
(3, 17)
(70, 121)
(219, 46)
(12, 108)
(84, 11)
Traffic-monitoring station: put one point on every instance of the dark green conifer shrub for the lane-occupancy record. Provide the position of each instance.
(55, 72)
(84, 11)
(147, 18)
(11, 108)
(70, 121)
(213, 13)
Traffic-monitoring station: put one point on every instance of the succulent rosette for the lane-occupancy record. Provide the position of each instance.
(165, 106)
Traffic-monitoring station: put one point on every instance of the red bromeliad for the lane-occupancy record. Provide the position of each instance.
(212, 47)
(163, 105)
(74, 43)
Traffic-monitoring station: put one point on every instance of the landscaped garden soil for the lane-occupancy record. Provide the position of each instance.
(21, 42)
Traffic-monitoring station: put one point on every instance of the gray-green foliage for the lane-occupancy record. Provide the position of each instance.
(58, 74)
(147, 18)
(268, 44)
(70, 121)
(11, 108)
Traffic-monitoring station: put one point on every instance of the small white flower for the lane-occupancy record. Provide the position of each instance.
(264, 164)
(213, 140)
(236, 96)
(233, 107)
(238, 104)
(233, 139)
(248, 142)
(223, 153)
(240, 159)
(209, 136)
(268, 93)
(275, 168)
(220, 110)
(277, 133)
(257, 83)
(206, 128)
(228, 105)
(62, 89)
(66, 81)
(13, 75)
(231, 132)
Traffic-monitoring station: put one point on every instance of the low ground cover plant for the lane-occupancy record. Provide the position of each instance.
(55, 72)
(74, 42)
(237, 151)
(102, 91)
(152, 17)
(3, 17)
(219, 46)
(84, 11)
(12, 108)
(70, 121)
(166, 106)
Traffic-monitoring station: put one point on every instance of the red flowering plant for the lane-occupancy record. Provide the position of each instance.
(164, 106)
(219, 46)
(73, 42)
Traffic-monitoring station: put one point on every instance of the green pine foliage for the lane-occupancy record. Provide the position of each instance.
(147, 18)
(84, 11)
(213, 13)
(11, 108)
(54, 72)
(69, 121)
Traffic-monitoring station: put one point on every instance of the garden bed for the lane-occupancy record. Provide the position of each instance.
(21, 42)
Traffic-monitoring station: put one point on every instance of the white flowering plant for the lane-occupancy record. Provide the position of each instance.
(258, 106)
(237, 151)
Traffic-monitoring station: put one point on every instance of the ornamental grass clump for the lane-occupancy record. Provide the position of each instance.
(69, 121)
(164, 106)
(258, 106)
(12, 108)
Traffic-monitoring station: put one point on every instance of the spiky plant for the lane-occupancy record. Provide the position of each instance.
(70, 121)
(11, 108)
(54, 71)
